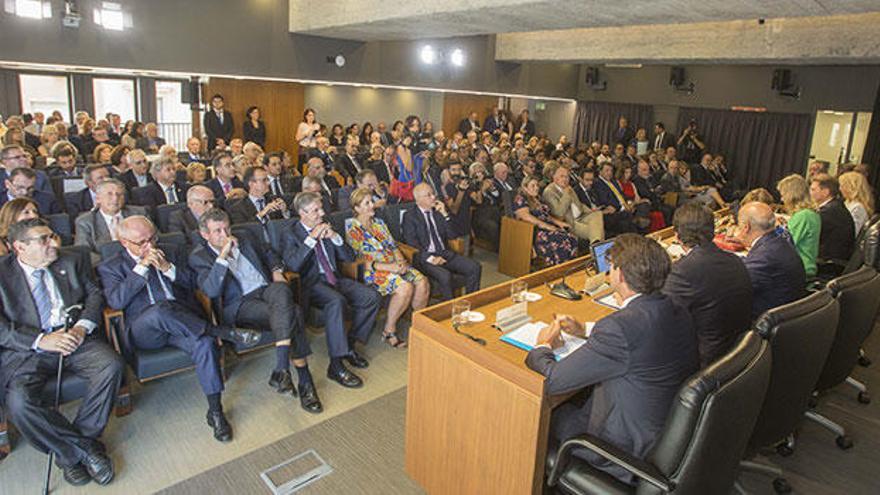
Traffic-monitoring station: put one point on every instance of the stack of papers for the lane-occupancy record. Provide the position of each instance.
(609, 301)
(526, 337)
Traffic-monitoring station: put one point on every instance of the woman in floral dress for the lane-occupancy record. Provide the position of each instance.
(553, 243)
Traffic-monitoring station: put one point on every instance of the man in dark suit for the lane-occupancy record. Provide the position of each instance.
(470, 123)
(165, 190)
(609, 196)
(259, 205)
(248, 283)
(837, 237)
(347, 163)
(224, 179)
(313, 185)
(385, 168)
(138, 173)
(635, 360)
(36, 290)
(315, 168)
(155, 294)
(700, 173)
(715, 302)
(84, 200)
(199, 199)
(218, 124)
(20, 184)
(193, 152)
(425, 227)
(776, 270)
(493, 124)
(97, 227)
(662, 139)
(322, 152)
(65, 163)
(13, 156)
(624, 133)
(646, 185)
(280, 183)
(312, 249)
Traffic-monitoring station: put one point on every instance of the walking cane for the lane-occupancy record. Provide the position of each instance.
(71, 315)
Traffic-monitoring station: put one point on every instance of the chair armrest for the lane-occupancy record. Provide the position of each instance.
(408, 251)
(109, 316)
(207, 307)
(638, 467)
(457, 245)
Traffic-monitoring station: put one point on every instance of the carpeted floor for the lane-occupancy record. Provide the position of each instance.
(364, 447)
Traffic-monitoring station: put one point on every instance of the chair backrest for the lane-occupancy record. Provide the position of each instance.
(254, 230)
(858, 295)
(337, 220)
(507, 202)
(70, 204)
(109, 249)
(870, 245)
(276, 230)
(176, 238)
(800, 335)
(139, 195)
(711, 419)
(858, 256)
(393, 217)
(163, 215)
(61, 225)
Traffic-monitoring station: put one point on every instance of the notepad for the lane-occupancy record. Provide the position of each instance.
(526, 337)
(609, 301)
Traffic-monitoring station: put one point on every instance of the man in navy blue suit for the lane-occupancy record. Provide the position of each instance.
(155, 294)
(609, 195)
(777, 274)
(247, 283)
(13, 156)
(21, 184)
(635, 360)
(426, 228)
(312, 249)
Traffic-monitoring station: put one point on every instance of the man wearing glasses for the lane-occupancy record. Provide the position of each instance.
(37, 286)
(155, 294)
(21, 184)
(14, 156)
(199, 199)
(136, 176)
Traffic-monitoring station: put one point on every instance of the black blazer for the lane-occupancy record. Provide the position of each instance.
(662, 141)
(153, 195)
(636, 359)
(384, 171)
(19, 319)
(217, 189)
(79, 202)
(257, 135)
(46, 202)
(183, 221)
(776, 271)
(185, 158)
(466, 126)
(300, 258)
(717, 303)
(55, 171)
(325, 157)
(243, 210)
(837, 237)
(415, 233)
(346, 166)
(214, 129)
(287, 183)
(128, 178)
(700, 176)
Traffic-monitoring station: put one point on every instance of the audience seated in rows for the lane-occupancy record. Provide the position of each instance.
(98, 226)
(553, 242)
(803, 224)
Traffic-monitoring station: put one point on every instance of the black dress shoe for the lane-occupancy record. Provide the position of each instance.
(308, 398)
(281, 382)
(222, 428)
(242, 336)
(345, 377)
(99, 467)
(76, 475)
(356, 359)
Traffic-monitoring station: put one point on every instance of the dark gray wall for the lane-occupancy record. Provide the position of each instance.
(843, 88)
(250, 37)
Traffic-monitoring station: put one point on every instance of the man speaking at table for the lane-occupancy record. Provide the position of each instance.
(635, 359)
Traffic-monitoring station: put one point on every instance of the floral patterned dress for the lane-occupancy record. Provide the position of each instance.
(374, 243)
(552, 247)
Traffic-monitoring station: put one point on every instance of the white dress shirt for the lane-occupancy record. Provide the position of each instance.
(58, 316)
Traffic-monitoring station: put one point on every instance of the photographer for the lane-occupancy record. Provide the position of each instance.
(487, 212)
(691, 144)
(458, 195)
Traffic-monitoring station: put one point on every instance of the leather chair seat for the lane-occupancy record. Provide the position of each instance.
(149, 364)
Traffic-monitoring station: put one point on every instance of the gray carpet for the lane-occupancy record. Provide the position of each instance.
(364, 447)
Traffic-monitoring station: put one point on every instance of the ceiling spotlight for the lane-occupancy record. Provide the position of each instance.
(457, 57)
(428, 55)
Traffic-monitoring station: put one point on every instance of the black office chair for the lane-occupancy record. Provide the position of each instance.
(699, 449)
(163, 215)
(337, 220)
(858, 294)
(392, 215)
(800, 335)
(61, 225)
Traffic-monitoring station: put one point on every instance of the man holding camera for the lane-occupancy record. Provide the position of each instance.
(691, 143)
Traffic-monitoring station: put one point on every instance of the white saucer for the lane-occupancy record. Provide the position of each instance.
(532, 296)
(475, 316)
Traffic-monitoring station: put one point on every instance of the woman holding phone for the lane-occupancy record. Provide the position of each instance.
(306, 134)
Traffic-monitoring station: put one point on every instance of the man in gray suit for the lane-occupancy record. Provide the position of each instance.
(98, 226)
(199, 199)
(585, 222)
(635, 359)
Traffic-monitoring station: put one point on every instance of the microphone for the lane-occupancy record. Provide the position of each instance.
(71, 315)
(561, 289)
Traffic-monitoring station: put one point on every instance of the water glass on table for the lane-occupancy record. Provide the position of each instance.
(461, 312)
(518, 290)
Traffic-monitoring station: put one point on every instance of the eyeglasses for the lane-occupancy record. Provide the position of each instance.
(144, 242)
(42, 239)
(16, 157)
(203, 201)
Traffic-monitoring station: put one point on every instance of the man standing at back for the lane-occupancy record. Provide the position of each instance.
(715, 302)
(635, 359)
(218, 124)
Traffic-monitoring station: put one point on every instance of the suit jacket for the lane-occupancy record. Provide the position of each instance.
(700, 176)
(152, 195)
(837, 237)
(717, 308)
(587, 197)
(299, 257)
(79, 202)
(624, 135)
(324, 156)
(19, 317)
(219, 284)
(42, 184)
(143, 143)
(560, 204)
(130, 180)
(776, 271)
(92, 230)
(288, 186)
(605, 196)
(662, 141)
(491, 125)
(346, 166)
(636, 359)
(183, 221)
(466, 126)
(46, 203)
(415, 233)
(214, 129)
(215, 186)
(384, 171)
(185, 158)
(56, 171)
(646, 189)
(243, 210)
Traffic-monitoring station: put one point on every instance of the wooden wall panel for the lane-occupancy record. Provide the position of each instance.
(281, 104)
(457, 107)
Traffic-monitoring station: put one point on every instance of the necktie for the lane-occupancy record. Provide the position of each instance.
(276, 187)
(154, 286)
(432, 231)
(42, 299)
(617, 194)
(226, 188)
(114, 224)
(220, 117)
(170, 197)
(325, 263)
(261, 203)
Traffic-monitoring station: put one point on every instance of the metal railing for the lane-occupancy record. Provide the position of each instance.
(175, 133)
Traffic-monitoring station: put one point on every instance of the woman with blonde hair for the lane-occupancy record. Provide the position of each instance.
(102, 154)
(858, 197)
(805, 225)
(196, 173)
(14, 211)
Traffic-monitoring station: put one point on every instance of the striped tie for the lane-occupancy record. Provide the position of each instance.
(42, 299)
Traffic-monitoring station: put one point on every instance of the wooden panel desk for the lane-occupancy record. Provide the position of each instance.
(477, 419)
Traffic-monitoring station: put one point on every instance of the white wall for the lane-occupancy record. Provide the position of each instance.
(345, 104)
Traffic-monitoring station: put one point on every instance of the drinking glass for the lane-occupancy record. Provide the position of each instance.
(460, 312)
(518, 291)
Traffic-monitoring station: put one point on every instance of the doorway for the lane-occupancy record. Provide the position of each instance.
(839, 137)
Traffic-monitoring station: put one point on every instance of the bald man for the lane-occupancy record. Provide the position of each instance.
(776, 270)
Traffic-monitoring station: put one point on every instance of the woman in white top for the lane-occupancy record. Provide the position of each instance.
(306, 134)
(858, 197)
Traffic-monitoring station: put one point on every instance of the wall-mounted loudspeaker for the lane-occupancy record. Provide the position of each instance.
(781, 80)
(190, 93)
(592, 77)
(676, 76)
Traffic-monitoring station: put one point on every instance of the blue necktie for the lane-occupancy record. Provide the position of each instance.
(154, 286)
(42, 299)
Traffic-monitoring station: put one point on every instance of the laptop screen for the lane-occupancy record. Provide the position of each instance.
(599, 251)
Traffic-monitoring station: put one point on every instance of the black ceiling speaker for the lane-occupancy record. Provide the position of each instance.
(592, 77)
(781, 80)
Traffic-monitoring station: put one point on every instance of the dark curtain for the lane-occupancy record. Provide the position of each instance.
(597, 120)
(147, 99)
(760, 147)
(871, 155)
(10, 102)
(83, 93)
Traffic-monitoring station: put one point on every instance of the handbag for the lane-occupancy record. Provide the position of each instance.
(403, 189)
